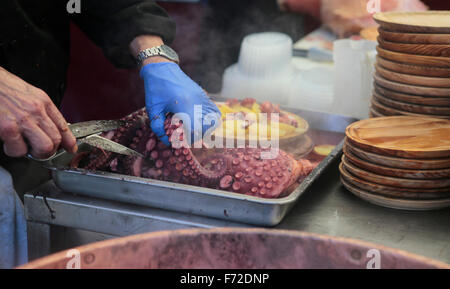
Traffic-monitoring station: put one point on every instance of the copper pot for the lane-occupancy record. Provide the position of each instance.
(235, 249)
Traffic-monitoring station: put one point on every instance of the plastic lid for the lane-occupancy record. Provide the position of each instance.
(265, 54)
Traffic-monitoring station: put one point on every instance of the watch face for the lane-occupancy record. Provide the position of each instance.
(170, 52)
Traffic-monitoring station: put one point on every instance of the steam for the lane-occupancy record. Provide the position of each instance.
(225, 24)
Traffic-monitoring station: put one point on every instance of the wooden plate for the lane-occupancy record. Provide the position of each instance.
(401, 163)
(433, 61)
(389, 191)
(413, 79)
(395, 203)
(409, 98)
(416, 22)
(402, 136)
(394, 172)
(390, 111)
(414, 108)
(443, 184)
(373, 113)
(417, 49)
(411, 89)
(384, 110)
(414, 38)
(413, 69)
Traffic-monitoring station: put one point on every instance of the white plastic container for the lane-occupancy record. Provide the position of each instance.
(265, 55)
(264, 71)
(353, 81)
(312, 89)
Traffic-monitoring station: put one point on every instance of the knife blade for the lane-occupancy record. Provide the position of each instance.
(109, 145)
(82, 129)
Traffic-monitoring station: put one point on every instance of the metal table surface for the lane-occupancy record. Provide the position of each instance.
(327, 208)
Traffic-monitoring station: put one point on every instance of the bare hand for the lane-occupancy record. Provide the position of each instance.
(349, 17)
(311, 7)
(27, 113)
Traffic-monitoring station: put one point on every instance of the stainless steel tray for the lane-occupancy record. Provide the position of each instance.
(192, 199)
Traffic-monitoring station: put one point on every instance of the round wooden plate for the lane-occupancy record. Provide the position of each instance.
(393, 203)
(433, 61)
(385, 111)
(414, 38)
(402, 136)
(443, 184)
(373, 113)
(390, 111)
(417, 49)
(401, 163)
(411, 89)
(413, 69)
(414, 108)
(394, 172)
(409, 98)
(413, 79)
(389, 191)
(416, 22)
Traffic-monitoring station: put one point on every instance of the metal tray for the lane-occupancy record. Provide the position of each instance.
(192, 199)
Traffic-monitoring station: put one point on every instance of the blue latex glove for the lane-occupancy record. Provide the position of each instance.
(169, 89)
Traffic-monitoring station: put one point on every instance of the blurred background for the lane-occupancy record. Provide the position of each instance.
(209, 35)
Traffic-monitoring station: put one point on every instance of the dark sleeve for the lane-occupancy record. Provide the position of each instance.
(113, 24)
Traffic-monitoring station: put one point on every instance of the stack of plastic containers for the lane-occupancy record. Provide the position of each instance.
(264, 70)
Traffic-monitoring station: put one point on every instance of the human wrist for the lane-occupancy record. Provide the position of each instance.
(143, 42)
(155, 59)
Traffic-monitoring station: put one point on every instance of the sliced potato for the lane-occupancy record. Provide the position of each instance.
(224, 109)
(256, 108)
(324, 150)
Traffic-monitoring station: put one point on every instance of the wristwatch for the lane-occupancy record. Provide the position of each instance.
(162, 50)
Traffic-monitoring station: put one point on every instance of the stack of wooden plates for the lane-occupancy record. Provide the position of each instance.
(413, 65)
(399, 162)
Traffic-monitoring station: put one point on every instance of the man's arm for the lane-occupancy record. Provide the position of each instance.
(114, 24)
(126, 27)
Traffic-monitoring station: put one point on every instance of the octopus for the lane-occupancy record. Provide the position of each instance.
(238, 170)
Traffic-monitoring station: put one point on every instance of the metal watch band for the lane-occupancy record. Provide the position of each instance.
(163, 50)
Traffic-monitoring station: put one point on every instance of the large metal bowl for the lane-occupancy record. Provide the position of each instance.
(234, 249)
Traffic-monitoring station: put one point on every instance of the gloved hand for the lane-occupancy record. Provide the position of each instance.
(169, 89)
